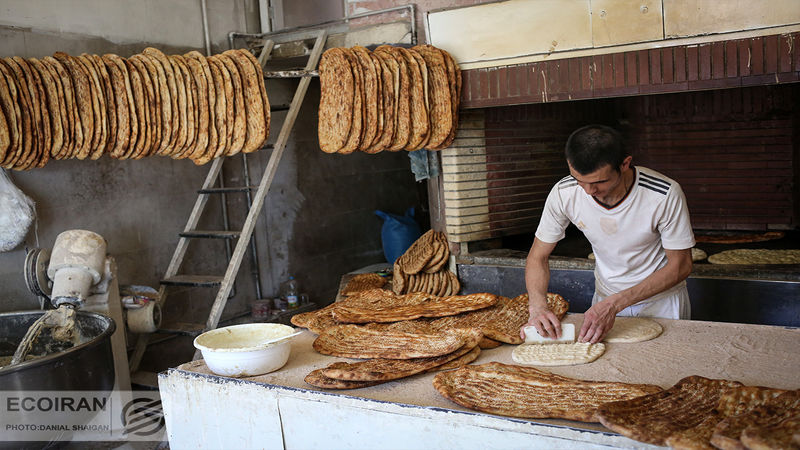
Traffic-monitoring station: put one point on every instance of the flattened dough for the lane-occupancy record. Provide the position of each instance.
(633, 329)
(557, 354)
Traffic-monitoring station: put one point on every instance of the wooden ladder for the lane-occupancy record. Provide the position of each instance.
(224, 283)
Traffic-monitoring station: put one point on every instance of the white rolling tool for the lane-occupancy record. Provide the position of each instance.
(567, 335)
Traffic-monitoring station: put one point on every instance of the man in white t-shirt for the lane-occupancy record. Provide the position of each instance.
(638, 224)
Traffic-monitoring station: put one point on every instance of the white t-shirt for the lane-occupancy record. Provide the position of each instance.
(629, 239)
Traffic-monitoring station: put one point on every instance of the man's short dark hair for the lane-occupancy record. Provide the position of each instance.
(591, 147)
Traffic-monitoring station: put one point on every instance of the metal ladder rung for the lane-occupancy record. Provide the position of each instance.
(210, 234)
(183, 328)
(193, 280)
(291, 73)
(227, 190)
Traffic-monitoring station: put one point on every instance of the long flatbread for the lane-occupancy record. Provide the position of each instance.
(432, 307)
(353, 341)
(514, 391)
(654, 418)
(381, 369)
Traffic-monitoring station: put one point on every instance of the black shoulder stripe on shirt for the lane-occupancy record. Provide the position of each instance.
(656, 181)
(659, 189)
(567, 185)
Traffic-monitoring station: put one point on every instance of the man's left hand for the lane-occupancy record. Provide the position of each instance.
(597, 321)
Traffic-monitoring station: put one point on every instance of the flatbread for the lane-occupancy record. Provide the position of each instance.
(654, 418)
(53, 110)
(527, 392)
(371, 99)
(454, 84)
(337, 96)
(138, 74)
(771, 410)
(13, 119)
(120, 85)
(392, 369)
(29, 95)
(504, 324)
(224, 114)
(173, 115)
(362, 282)
(256, 121)
(41, 116)
(83, 97)
(784, 434)
(357, 125)
(74, 128)
(98, 106)
(402, 119)
(461, 361)
(109, 102)
(240, 115)
(202, 97)
(418, 109)
(152, 90)
(431, 307)
(353, 341)
(21, 97)
(733, 402)
(317, 379)
(756, 256)
(440, 110)
(557, 354)
(263, 89)
(387, 88)
(633, 329)
(183, 73)
(416, 258)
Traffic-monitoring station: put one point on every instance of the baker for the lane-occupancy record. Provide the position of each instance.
(638, 224)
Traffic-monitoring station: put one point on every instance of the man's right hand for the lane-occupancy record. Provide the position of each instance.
(546, 323)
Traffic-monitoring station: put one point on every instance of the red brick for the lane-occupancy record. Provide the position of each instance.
(785, 53)
(743, 46)
(704, 61)
(667, 62)
(655, 66)
(770, 54)
(483, 81)
(494, 83)
(585, 67)
(731, 58)
(718, 59)
(644, 67)
(680, 64)
(502, 82)
(631, 69)
(692, 69)
(756, 56)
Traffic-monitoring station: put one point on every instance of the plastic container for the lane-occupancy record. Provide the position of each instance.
(245, 350)
(290, 293)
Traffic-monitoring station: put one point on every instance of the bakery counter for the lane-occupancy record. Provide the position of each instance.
(279, 410)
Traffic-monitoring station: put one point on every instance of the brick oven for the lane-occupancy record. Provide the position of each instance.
(721, 118)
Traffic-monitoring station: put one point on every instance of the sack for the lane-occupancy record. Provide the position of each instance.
(398, 233)
(17, 212)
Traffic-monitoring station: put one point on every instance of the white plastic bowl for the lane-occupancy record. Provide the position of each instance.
(244, 350)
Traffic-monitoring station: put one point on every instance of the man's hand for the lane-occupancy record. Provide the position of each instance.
(597, 321)
(546, 323)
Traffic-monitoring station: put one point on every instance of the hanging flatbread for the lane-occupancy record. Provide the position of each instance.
(418, 111)
(202, 96)
(224, 109)
(109, 103)
(167, 76)
(54, 107)
(256, 121)
(137, 73)
(121, 85)
(389, 74)
(402, 117)
(370, 86)
(240, 115)
(98, 106)
(182, 74)
(21, 97)
(30, 95)
(337, 97)
(357, 125)
(262, 88)
(440, 110)
(83, 96)
(147, 70)
(13, 120)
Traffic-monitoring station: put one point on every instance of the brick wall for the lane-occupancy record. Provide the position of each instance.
(734, 152)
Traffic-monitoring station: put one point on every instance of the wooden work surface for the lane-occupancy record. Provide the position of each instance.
(752, 354)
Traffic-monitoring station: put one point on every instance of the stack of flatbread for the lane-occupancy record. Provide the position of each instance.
(527, 392)
(389, 99)
(699, 412)
(182, 106)
(756, 256)
(423, 267)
